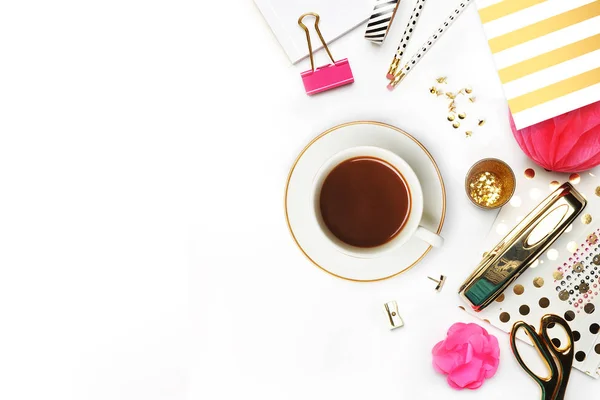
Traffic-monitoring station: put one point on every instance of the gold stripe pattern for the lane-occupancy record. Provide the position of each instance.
(504, 8)
(545, 27)
(554, 91)
(550, 59)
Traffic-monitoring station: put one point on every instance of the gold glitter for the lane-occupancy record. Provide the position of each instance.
(578, 267)
(456, 125)
(563, 295)
(538, 282)
(432, 90)
(586, 219)
(529, 173)
(485, 188)
(554, 185)
(598, 191)
(462, 115)
(468, 90)
(451, 117)
(472, 99)
(518, 289)
(468, 133)
(574, 179)
(441, 79)
(450, 95)
(500, 298)
(481, 122)
(557, 275)
(593, 238)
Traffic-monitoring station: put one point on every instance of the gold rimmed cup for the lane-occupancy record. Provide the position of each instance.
(490, 183)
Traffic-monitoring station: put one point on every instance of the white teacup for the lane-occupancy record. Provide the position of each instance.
(411, 226)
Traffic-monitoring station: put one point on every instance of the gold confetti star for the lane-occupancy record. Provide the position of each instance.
(441, 79)
(468, 134)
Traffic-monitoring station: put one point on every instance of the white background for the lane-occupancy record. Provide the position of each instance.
(144, 148)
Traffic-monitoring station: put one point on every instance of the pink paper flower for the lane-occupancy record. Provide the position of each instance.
(469, 355)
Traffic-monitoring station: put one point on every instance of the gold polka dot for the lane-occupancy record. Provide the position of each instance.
(597, 348)
(598, 191)
(572, 247)
(557, 275)
(554, 185)
(518, 289)
(574, 179)
(563, 295)
(586, 219)
(500, 298)
(538, 282)
(504, 317)
(544, 302)
(524, 309)
(592, 238)
(529, 173)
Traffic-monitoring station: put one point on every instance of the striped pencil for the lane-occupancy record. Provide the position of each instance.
(400, 74)
(410, 27)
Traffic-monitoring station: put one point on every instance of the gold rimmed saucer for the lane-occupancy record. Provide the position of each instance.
(298, 206)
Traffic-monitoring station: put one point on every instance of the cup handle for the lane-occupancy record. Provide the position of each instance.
(427, 236)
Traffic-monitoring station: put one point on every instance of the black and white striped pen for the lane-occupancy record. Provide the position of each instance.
(410, 27)
(400, 74)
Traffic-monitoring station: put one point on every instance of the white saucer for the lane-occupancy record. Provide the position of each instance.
(299, 208)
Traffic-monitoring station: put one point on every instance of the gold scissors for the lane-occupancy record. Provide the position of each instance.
(559, 360)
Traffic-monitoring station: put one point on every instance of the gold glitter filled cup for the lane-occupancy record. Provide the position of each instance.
(490, 183)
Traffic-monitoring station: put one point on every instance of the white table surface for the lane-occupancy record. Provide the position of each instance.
(143, 248)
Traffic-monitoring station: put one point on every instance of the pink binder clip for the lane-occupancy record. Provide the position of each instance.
(328, 76)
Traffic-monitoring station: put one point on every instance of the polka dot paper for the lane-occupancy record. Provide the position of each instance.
(565, 280)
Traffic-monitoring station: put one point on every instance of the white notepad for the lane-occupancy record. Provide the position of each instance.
(337, 18)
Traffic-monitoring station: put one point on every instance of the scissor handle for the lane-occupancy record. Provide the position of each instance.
(562, 355)
(310, 51)
(549, 383)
